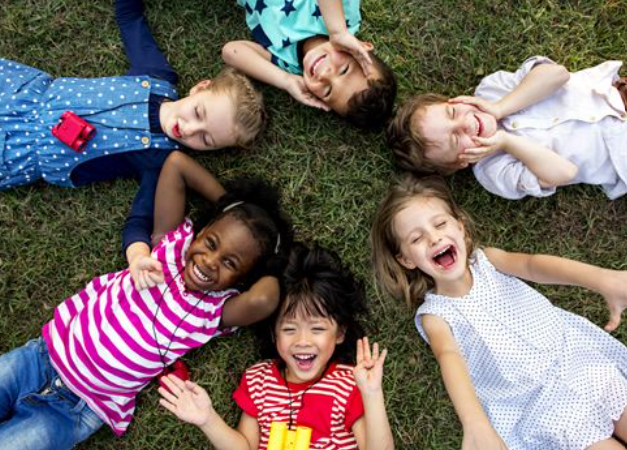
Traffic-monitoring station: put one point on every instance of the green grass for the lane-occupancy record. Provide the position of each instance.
(53, 240)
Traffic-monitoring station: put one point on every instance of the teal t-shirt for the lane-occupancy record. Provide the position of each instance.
(281, 25)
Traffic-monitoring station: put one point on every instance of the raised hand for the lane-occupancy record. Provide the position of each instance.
(186, 400)
(146, 272)
(296, 87)
(614, 290)
(346, 42)
(485, 147)
(482, 104)
(369, 369)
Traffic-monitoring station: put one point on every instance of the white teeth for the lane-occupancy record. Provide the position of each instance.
(200, 275)
(441, 252)
(304, 357)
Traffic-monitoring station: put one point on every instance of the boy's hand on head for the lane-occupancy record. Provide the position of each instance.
(485, 147)
(346, 42)
(369, 369)
(614, 290)
(146, 272)
(484, 105)
(296, 87)
(186, 400)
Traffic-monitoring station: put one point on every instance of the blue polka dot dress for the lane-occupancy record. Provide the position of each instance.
(32, 101)
(547, 379)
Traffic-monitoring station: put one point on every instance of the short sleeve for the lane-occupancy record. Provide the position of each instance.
(508, 177)
(243, 399)
(354, 408)
(497, 85)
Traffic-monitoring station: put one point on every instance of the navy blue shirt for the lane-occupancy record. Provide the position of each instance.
(145, 59)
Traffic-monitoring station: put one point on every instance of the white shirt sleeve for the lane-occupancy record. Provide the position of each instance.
(505, 176)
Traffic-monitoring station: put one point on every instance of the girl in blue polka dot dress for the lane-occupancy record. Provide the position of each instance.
(522, 374)
(138, 119)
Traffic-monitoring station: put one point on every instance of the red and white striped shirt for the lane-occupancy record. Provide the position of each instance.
(329, 406)
(105, 341)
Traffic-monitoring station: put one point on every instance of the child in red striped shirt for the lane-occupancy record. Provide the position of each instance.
(310, 381)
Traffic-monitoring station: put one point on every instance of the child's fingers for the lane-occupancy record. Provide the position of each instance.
(375, 351)
(462, 99)
(155, 278)
(614, 321)
(382, 357)
(169, 406)
(367, 354)
(167, 395)
(180, 384)
(360, 351)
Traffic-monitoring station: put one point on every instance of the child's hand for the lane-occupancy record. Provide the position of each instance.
(614, 290)
(296, 87)
(482, 438)
(186, 400)
(346, 42)
(146, 272)
(482, 104)
(485, 147)
(369, 369)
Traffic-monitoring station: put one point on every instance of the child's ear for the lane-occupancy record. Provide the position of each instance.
(405, 262)
(200, 86)
(368, 46)
(341, 335)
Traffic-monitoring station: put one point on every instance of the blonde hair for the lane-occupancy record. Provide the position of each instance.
(408, 144)
(250, 113)
(396, 280)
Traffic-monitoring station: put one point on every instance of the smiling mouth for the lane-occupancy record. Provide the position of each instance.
(316, 63)
(304, 361)
(479, 126)
(202, 276)
(446, 257)
(176, 132)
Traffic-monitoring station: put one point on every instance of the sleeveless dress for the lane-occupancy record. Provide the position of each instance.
(547, 379)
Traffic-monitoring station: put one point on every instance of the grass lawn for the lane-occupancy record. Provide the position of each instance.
(54, 240)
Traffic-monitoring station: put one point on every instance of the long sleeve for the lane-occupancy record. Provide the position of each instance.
(141, 49)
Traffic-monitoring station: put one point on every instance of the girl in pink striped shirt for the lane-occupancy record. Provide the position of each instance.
(107, 342)
(308, 385)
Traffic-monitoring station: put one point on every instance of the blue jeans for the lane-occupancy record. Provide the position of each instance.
(37, 411)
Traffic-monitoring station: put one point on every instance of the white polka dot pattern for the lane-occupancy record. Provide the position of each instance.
(547, 379)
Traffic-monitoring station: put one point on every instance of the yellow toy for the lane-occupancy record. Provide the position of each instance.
(283, 439)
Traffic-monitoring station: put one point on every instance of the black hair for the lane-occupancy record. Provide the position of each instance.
(372, 107)
(316, 283)
(257, 205)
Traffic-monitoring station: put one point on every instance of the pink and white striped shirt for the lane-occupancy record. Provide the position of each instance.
(105, 341)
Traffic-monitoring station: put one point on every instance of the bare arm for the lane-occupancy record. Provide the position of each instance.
(223, 437)
(542, 81)
(179, 173)
(252, 306)
(545, 269)
(254, 60)
(478, 432)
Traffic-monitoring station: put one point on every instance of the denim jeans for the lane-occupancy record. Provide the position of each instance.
(37, 411)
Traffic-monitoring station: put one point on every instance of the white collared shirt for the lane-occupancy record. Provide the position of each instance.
(584, 121)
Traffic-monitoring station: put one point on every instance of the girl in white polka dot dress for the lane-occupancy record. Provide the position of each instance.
(521, 373)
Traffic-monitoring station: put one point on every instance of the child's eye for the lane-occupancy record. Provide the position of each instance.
(196, 110)
(319, 329)
(327, 92)
(288, 330)
(416, 239)
(229, 263)
(441, 224)
(211, 244)
(345, 69)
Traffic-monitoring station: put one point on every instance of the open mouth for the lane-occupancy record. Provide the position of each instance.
(304, 361)
(176, 132)
(446, 257)
(200, 275)
(479, 126)
(316, 63)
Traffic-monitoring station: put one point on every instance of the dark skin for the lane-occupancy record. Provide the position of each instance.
(223, 252)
